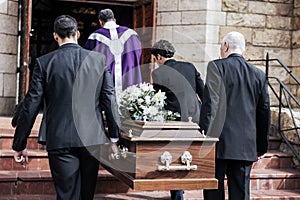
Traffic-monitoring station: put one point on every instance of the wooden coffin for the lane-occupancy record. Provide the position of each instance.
(164, 156)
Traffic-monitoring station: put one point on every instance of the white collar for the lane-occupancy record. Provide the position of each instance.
(69, 42)
(110, 24)
(172, 58)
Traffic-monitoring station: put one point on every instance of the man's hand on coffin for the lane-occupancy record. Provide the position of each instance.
(114, 151)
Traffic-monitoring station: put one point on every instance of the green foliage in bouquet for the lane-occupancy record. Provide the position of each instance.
(141, 102)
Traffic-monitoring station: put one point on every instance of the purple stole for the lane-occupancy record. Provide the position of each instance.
(123, 50)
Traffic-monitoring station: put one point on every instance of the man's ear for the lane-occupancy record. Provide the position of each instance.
(55, 36)
(101, 23)
(78, 34)
(226, 45)
(159, 57)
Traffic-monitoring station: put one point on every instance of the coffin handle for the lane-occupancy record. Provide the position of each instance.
(130, 133)
(166, 159)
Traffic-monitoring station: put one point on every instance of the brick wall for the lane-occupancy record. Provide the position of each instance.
(8, 55)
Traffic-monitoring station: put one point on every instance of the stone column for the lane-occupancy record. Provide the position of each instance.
(296, 48)
(8, 55)
(193, 27)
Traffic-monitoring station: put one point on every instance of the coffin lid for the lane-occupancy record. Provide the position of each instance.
(162, 131)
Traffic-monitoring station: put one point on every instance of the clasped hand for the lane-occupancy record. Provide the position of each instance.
(21, 157)
(114, 152)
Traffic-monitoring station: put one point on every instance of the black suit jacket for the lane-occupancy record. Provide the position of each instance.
(182, 83)
(236, 108)
(76, 86)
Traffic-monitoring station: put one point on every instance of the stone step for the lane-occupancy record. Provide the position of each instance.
(38, 160)
(6, 137)
(274, 143)
(274, 160)
(275, 179)
(39, 185)
(7, 133)
(165, 195)
(198, 195)
(275, 195)
(5, 123)
(6, 140)
(34, 182)
(14, 182)
(271, 177)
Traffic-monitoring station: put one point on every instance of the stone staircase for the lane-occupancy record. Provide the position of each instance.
(272, 176)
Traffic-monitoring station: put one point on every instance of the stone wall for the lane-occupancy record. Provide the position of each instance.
(296, 46)
(267, 26)
(197, 27)
(8, 55)
(193, 27)
(291, 134)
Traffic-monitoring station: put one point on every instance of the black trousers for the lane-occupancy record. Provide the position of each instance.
(74, 172)
(238, 180)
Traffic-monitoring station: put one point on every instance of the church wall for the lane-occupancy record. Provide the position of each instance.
(8, 55)
(196, 28)
(193, 27)
(296, 46)
(268, 28)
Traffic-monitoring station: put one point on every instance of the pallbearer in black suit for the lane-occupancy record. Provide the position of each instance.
(236, 109)
(180, 81)
(76, 86)
(182, 84)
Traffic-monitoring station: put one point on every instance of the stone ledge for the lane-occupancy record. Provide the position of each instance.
(40, 175)
(274, 173)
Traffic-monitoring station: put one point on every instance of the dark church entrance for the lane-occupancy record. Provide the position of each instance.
(136, 14)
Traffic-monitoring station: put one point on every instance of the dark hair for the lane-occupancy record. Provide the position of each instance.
(105, 15)
(65, 26)
(164, 48)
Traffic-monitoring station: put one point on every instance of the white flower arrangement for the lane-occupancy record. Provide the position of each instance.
(141, 102)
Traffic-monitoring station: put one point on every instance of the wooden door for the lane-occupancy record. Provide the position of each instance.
(24, 60)
(144, 22)
(37, 27)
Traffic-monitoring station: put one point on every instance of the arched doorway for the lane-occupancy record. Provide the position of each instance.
(136, 14)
